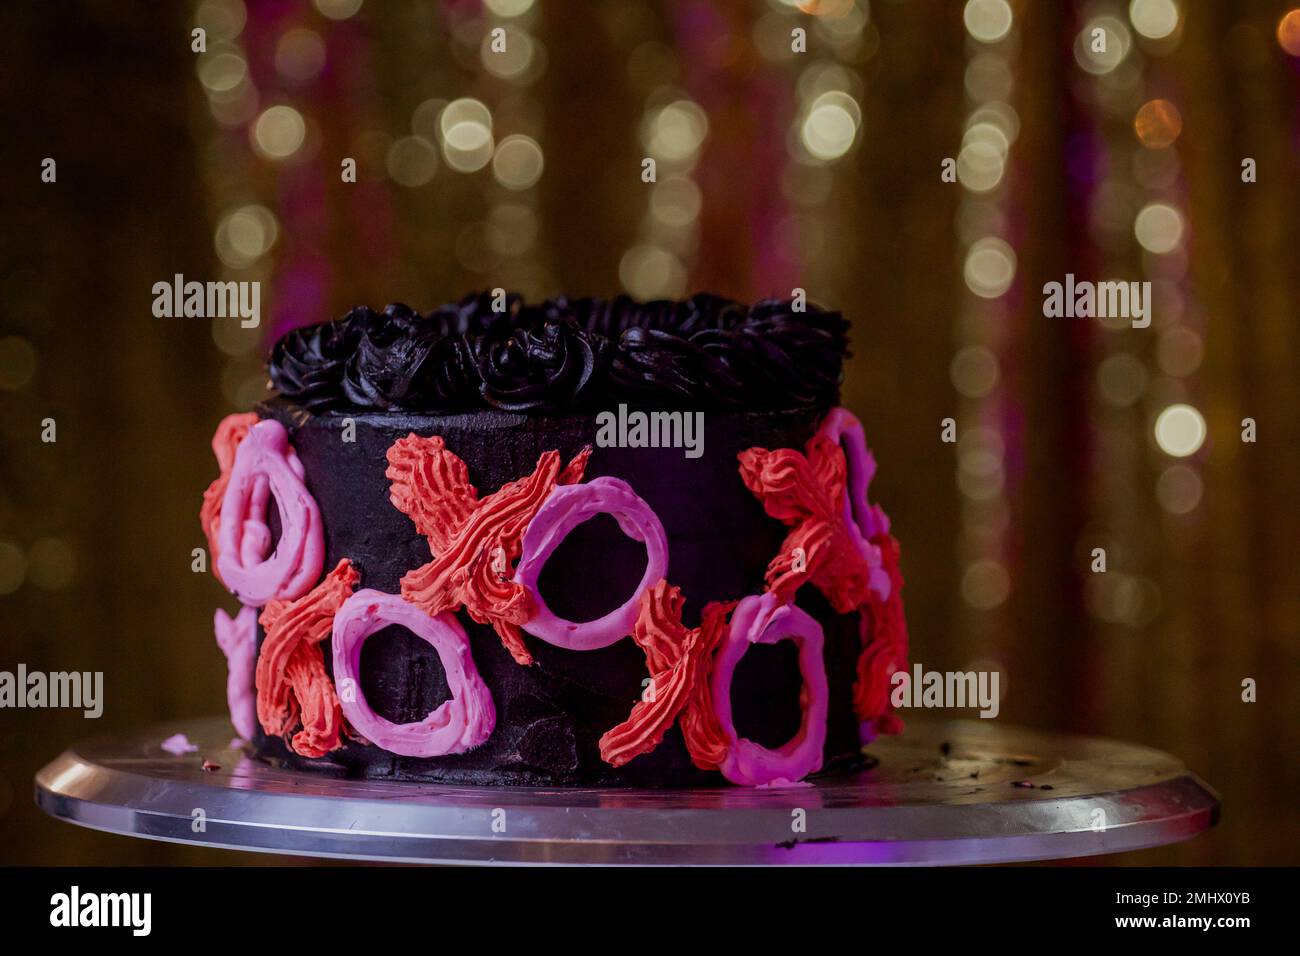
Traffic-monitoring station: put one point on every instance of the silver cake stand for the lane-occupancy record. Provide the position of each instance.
(959, 791)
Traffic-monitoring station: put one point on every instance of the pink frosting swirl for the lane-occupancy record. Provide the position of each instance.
(237, 638)
(567, 507)
(454, 726)
(764, 619)
(265, 466)
(862, 520)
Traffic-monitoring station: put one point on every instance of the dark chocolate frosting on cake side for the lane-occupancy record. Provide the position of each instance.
(550, 715)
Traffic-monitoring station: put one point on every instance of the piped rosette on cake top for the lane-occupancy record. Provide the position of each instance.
(486, 558)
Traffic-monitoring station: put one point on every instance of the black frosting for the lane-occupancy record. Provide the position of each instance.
(565, 354)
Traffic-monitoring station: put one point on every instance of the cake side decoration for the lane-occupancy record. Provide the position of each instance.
(232, 430)
(237, 638)
(882, 624)
(883, 630)
(766, 619)
(458, 724)
(565, 508)
(706, 740)
(678, 660)
(266, 466)
(843, 428)
(840, 543)
(292, 686)
(473, 540)
(806, 491)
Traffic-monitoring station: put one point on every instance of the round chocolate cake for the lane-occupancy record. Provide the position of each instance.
(579, 543)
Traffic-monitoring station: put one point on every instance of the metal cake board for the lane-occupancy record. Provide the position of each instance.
(945, 792)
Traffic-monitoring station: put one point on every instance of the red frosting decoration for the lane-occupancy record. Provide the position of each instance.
(705, 740)
(806, 492)
(232, 430)
(292, 685)
(678, 659)
(475, 542)
(884, 645)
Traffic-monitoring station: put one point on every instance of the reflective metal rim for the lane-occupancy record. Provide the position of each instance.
(946, 792)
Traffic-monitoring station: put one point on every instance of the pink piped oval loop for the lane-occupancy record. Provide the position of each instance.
(266, 466)
(454, 726)
(862, 519)
(567, 507)
(762, 619)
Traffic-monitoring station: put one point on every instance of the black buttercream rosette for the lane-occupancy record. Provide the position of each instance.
(705, 351)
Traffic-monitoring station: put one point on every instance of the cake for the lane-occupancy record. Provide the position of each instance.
(582, 543)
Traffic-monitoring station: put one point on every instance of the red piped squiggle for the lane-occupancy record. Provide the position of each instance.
(705, 740)
(806, 492)
(232, 430)
(292, 684)
(884, 646)
(678, 659)
(475, 542)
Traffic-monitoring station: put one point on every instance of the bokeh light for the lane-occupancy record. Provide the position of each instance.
(1119, 598)
(508, 8)
(466, 127)
(464, 111)
(1180, 430)
(675, 133)
(829, 129)
(1179, 489)
(1159, 228)
(676, 201)
(517, 162)
(221, 72)
(1153, 19)
(1117, 41)
(1179, 351)
(980, 166)
(1288, 32)
(979, 474)
(279, 132)
(467, 147)
(990, 267)
(411, 161)
(234, 107)
(985, 584)
(988, 77)
(651, 272)
(244, 235)
(987, 20)
(1157, 124)
(300, 55)
(511, 229)
(337, 9)
(974, 371)
(512, 62)
(222, 19)
(1121, 379)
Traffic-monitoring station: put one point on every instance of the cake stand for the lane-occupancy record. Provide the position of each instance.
(947, 791)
